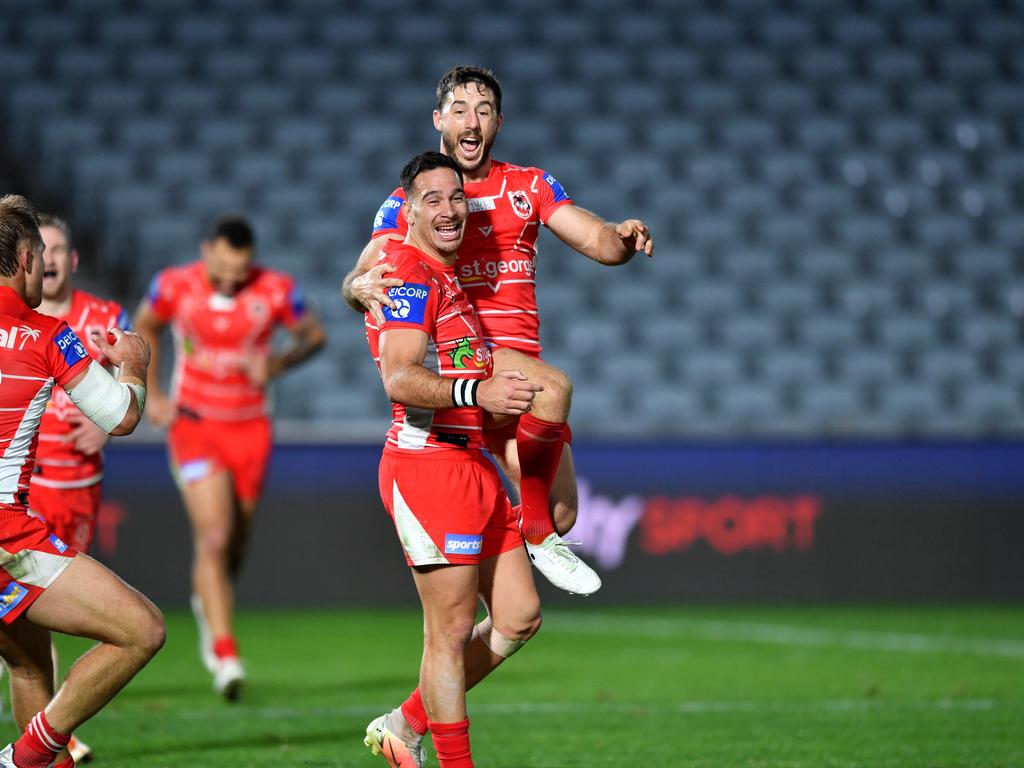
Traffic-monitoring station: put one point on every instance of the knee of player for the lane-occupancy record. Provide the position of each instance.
(149, 631)
(526, 624)
(557, 385)
(454, 634)
(213, 541)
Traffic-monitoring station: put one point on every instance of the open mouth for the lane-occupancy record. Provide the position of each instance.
(470, 145)
(49, 273)
(449, 231)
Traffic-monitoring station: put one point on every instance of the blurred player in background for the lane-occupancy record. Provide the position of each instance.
(45, 584)
(455, 522)
(223, 310)
(496, 267)
(67, 481)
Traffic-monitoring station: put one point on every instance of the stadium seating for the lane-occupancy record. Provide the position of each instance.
(836, 186)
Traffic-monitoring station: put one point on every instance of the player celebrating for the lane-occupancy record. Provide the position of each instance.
(67, 482)
(223, 310)
(496, 267)
(45, 584)
(451, 513)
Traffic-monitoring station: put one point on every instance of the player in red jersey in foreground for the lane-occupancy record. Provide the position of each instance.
(453, 518)
(497, 269)
(67, 484)
(223, 310)
(45, 584)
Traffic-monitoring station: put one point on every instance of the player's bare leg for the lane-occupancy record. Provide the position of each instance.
(88, 600)
(513, 617)
(532, 462)
(25, 646)
(80, 751)
(212, 511)
(448, 594)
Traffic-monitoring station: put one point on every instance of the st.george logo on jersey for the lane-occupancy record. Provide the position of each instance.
(410, 303)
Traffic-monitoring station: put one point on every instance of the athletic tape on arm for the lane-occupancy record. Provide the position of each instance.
(102, 398)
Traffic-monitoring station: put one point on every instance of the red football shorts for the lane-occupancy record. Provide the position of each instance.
(31, 559)
(200, 448)
(70, 512)
(449, 507)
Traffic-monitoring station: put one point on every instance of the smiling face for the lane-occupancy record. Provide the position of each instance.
(59, 262)
(469, 123)
(436, 211)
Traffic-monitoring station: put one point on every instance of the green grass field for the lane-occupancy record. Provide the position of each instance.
(731, 686)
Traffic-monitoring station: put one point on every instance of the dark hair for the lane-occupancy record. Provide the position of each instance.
(457, 76)
(427, 161)
(18, 222)
(50, 220)
(234, 228)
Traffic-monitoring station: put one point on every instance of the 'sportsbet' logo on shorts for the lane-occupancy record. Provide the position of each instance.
(462, 544)
(59, 545)
(410, 303)
(10, 597)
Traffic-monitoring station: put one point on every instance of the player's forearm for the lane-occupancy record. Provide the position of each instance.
(346, 290)
(414, 386)
(306, 345)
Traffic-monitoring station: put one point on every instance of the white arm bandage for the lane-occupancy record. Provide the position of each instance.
(102, 398)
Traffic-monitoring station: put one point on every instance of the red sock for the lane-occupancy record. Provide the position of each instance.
(540, 449)
(451, 744)
(225, 648)
(415, 713)
(39, 744)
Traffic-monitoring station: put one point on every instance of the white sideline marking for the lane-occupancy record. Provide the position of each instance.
(613, 707)
(782, 634)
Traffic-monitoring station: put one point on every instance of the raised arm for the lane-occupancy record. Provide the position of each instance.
(406, 381)
(149, 326)
(365, 289)
(114, 405)
(603, 241)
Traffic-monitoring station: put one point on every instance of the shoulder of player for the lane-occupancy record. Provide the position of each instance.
(408, 262)
(92, 301)
(510, 169)
(45, 324)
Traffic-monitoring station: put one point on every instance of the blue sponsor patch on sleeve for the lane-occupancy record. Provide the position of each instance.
(11, 596)
(410, 303)
(387, 216)
(124, 322)
(70, 347)
(59, 545)
(298, 301)
(556, 188)
(462, 544)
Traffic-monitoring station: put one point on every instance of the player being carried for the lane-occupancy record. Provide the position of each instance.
(496, 267)
(223, 310)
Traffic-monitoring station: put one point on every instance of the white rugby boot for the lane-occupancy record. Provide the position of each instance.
(209, 658)
(80, 751)
(229, 678)
(400, 754)
(560, 565)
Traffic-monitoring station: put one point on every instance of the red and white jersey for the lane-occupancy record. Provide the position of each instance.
(496, 264)
(58, 463)
(36, 352)
(432, 301)
(216, 336)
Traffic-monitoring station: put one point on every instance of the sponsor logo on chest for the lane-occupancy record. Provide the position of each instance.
(17, 335)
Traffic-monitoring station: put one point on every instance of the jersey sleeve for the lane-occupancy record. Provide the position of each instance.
(161, 296)
(551, 196)
(122, 318)
(389, 219)
(295, 306)
(66, 355)
(416, 302)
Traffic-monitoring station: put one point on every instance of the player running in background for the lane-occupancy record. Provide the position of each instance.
(496, 267)
(67, 481)
(223, 310)
(451, 513)
(45, 584)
